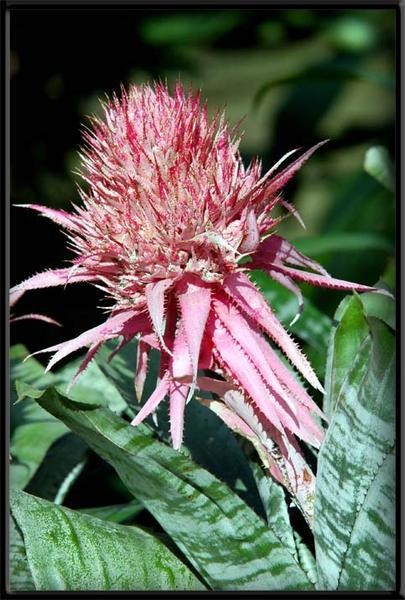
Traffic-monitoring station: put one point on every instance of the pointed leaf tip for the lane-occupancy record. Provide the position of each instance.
(155, 299)
(282, 178)
(195, 304)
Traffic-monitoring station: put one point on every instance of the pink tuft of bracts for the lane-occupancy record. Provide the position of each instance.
(169, 212)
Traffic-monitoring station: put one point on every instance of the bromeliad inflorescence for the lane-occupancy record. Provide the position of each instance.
(168, 214)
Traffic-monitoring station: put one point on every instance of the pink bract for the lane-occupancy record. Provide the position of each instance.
(169, 212)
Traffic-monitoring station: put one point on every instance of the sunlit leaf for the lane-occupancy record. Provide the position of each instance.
(377, 164)
(351, 33)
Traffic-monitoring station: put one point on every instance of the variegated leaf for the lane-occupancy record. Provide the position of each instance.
(228, 544)
(354, 506)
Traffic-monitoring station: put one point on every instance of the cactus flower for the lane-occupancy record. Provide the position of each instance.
(167, 216)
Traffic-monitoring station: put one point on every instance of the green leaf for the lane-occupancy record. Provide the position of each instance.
(24, 390)
(354, 505)
(59, 468)
(313, 326)
(39, 438)
(228, 544)
(205, 435)
(349, 340)
(117, 513)
(183, 28)
(31, 440)
(20, 578)
(30, 372)
(274, 501)
(377, 164)
(382, 307)
(336, 71)
(46, 459)
(351, 33)
(67, 550)
(342, 242)
(275, 505)
(92, 387)
(306, 558)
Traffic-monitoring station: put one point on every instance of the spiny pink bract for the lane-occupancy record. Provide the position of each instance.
(169, 212)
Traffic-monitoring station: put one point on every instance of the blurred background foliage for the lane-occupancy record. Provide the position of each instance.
(296, 76)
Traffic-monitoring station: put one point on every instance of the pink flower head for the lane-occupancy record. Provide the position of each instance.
(169, 212)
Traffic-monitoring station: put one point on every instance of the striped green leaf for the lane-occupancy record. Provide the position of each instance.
(354, 506)
(227, 543)
(278, 518)
(205, 435)
(274, 501)
(306, 558)
(67, 550)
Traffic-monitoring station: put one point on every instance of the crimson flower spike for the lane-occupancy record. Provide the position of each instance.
(169, 211)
